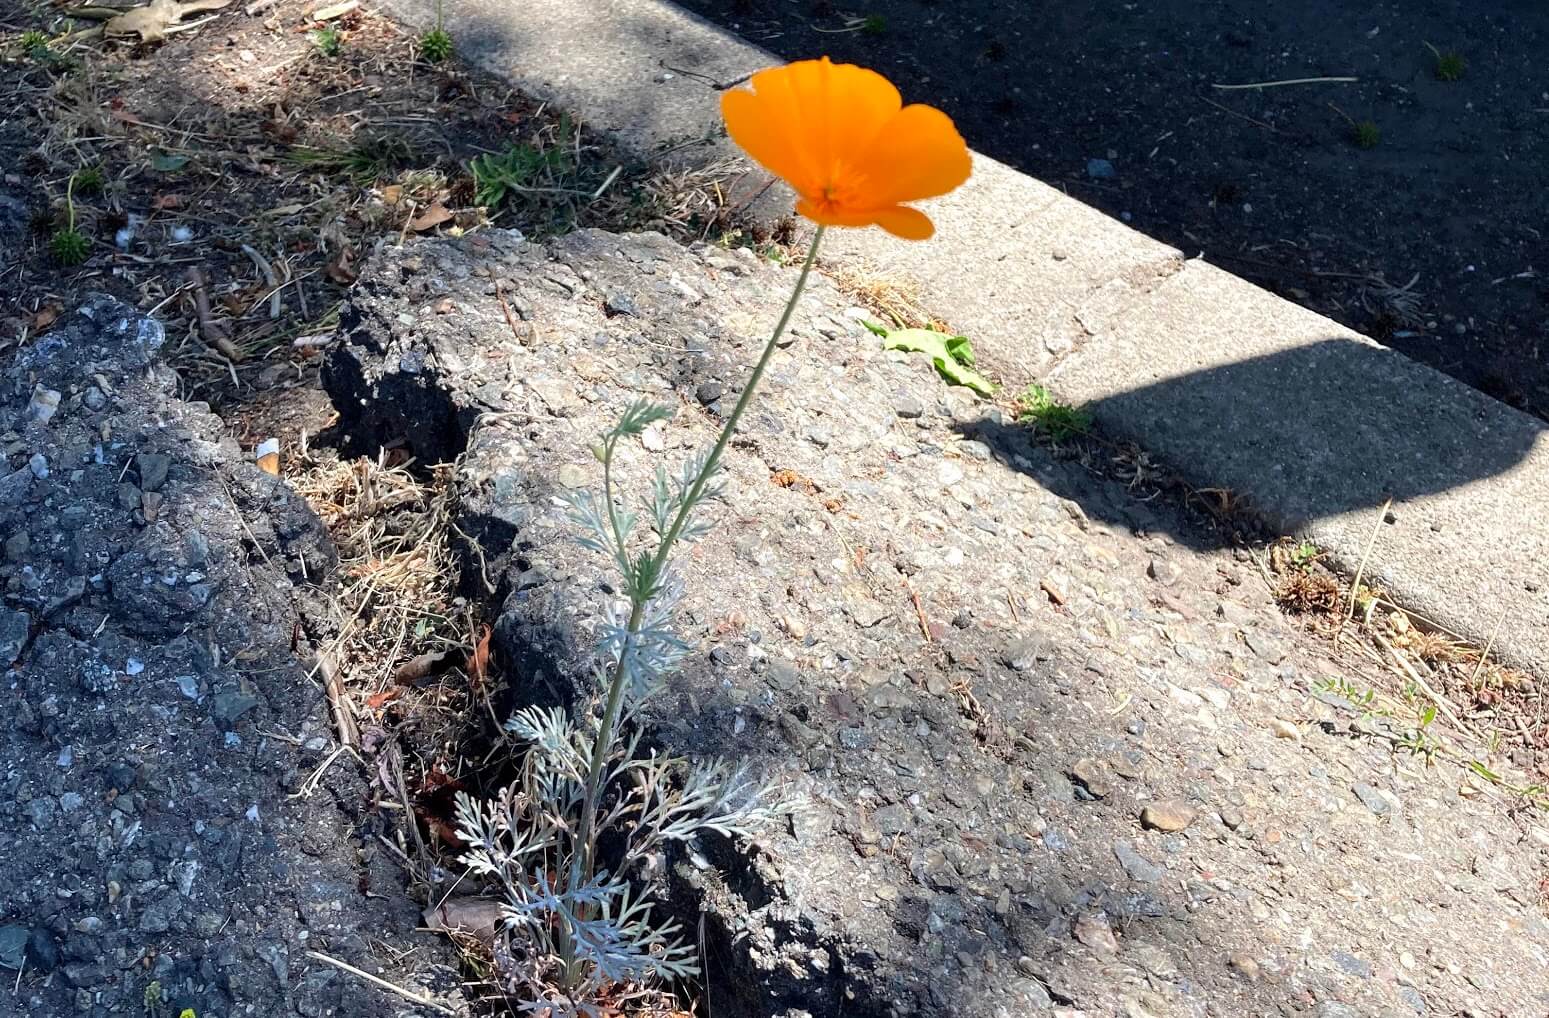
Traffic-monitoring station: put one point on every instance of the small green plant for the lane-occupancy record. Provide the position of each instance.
(436, 44)
(1450, 64)
(1038, 407)
(874, 24)
(1304, 555)
(496, 174)
(89, 180)
(368, 160)
(953, 356)
(1347, 690)
(69, 246)
(327, 40)
(152, 999)
(1366, 134)
(39, 48)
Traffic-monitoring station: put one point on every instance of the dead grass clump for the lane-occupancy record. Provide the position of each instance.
(1303, 592)
(396, 598)
(895, 301)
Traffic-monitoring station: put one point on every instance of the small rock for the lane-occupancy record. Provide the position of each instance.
(572, 475)
(1351, 965)
(38, 464)
(1371, 798)
(1244, 965)
(1094, 930)
(1093, 775)
(1334, 1009)
(226, 708)
(42, 951)
(14, 626)
(153, 468)
(43, 405)
(1266, 647)
(1136, 865)
(1164, 571)
(709, 392)
(1285, 730)
(1170, 815)
(909, 407)
(13, 945)
(1101, 169)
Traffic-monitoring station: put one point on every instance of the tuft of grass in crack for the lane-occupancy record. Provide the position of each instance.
(328, 40)
(436, 45)
(1060, 421)
(497, 175)
(1366, 134)
(874, 24)
(69, 246)
(1449, 66)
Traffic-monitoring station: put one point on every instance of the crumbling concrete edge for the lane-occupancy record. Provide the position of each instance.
(1052, 290)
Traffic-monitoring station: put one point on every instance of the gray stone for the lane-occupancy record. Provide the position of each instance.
(229, 706)
(13, 945)
(1371, 798)
(1101, 169)
(14, 627)
(1136, 865)
(153, 469)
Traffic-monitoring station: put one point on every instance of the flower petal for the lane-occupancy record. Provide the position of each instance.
(903, 221)
(806, 120)
(766, 134)
(899, 220)
(917, 154)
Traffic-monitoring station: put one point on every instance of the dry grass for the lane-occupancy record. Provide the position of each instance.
(894, 300)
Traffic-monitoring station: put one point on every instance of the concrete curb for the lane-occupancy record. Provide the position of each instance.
(1234, 387)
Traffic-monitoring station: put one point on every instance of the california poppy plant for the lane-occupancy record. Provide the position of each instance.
(842, 137)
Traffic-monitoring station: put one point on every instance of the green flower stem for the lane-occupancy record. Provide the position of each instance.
(583, 859)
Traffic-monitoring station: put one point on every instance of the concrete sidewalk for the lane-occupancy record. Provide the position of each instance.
(1230, 385)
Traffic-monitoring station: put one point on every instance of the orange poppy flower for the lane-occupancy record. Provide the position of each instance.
(842, 137)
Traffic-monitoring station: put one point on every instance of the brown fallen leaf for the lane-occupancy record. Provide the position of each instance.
(392, 194)
(476, 917)
(341, 269)
(430, 218)
(478, 659)
(422, 666)
(377, 700)
(45, 316)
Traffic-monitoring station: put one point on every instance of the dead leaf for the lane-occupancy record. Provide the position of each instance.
(423, 666)
(392, 194)
(430, 218)
(340, 267)
(476, 917)
(478, 660)
(45, 316)
(334, 10)
(376, 700)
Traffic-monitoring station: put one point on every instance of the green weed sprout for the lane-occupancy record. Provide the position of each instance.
(89, 180)
(69, 246)
(1450, 64)
(1038, 407)
(327, 40)
(436, 45)
(1366, 134)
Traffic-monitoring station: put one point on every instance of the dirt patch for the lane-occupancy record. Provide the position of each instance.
(271, 158)
(1430, 239)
